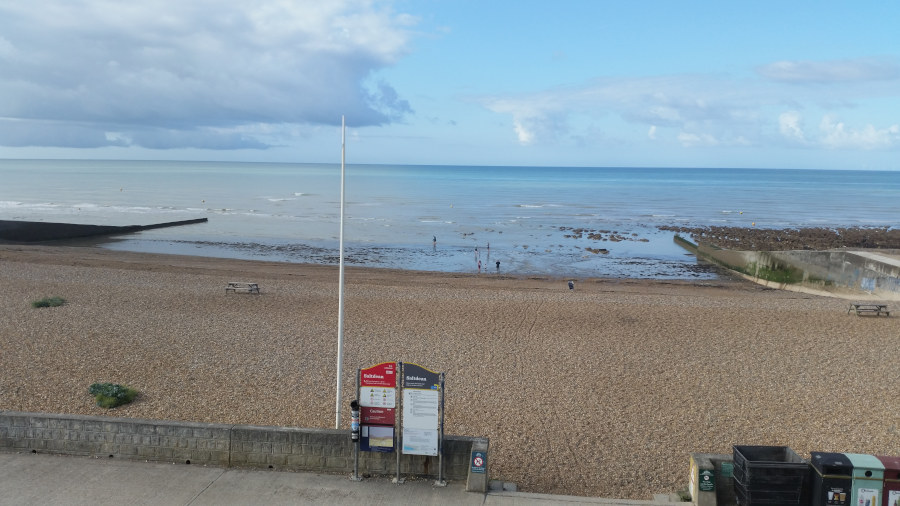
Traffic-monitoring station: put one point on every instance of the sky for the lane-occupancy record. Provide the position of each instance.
(768, 84)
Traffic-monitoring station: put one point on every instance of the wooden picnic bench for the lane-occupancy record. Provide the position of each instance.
(242, 286)
(869, 309)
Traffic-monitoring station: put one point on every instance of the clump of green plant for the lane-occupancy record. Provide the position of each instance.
(110, 395)
(49, 302)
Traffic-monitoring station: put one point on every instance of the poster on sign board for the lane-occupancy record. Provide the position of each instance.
(420, 442)
(376, 438)
(421, 409)
(377, 397)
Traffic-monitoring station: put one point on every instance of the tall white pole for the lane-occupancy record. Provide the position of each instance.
(340, 347)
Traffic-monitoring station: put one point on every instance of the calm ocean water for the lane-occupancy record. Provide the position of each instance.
(526, 215)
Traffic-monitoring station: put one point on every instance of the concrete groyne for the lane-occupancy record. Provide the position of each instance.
(39, 231)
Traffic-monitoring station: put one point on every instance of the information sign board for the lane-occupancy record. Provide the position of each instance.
(479, 462)
(707, 480)
(378, 403)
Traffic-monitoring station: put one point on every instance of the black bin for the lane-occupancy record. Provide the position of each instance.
(767, 475)
(832, 475)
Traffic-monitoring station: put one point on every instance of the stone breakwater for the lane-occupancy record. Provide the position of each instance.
(602, 391)
(813, 238)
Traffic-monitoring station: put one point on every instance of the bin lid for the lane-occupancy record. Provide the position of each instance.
(866, 466)
(891, 467)
(827, 463)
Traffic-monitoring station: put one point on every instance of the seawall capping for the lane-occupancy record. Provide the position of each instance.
(80, 422)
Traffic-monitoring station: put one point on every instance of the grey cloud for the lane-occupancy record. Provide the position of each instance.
(165, 73)
(27, 133)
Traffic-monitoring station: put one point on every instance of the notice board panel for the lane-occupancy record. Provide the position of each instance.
(420, 442)
(421, 409)
(377, 397)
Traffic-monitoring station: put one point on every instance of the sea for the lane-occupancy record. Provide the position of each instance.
(566, 222)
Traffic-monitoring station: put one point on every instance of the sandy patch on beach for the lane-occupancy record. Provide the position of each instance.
(600, 391)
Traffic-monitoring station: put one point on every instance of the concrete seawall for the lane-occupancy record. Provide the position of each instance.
(850, 274)
(220, 445)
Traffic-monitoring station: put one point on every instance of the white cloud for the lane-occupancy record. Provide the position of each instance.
(837, 135)
(789, 126)
(168, 73)
(690, 140)
(708, 110)
(830, 71)
(695, 104)
(525, 134)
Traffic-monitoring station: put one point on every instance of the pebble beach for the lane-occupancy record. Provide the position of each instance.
(599, 391)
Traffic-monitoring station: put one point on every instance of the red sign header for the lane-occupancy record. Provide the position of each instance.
(377, 416)
(381, 375)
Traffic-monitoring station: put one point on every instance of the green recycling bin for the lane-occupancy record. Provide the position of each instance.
(868, 480)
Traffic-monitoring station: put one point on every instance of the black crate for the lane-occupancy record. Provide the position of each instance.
(763, 497)
(769, 475)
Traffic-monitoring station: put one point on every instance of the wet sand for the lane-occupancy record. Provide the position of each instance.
(599, 391)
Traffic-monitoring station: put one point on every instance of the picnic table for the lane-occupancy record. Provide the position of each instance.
(869, 309)
(242, 286)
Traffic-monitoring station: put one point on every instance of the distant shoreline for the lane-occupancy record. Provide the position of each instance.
(452, 260)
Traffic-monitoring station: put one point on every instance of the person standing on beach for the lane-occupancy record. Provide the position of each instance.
(479, 267)
(498, 265)
(433, 243)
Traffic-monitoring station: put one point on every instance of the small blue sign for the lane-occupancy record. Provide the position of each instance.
(479, 462)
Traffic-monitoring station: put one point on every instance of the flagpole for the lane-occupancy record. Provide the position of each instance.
(340, 347)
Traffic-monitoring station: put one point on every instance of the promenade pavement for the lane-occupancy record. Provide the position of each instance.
(32, 479)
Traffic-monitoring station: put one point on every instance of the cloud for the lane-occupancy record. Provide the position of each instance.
(695, 104)
(167, 73)
(830, 71)
(699, 111)
(690, 140)
(836, 135)
(789, 126)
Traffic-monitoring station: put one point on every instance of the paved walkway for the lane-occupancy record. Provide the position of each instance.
(27, 478)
